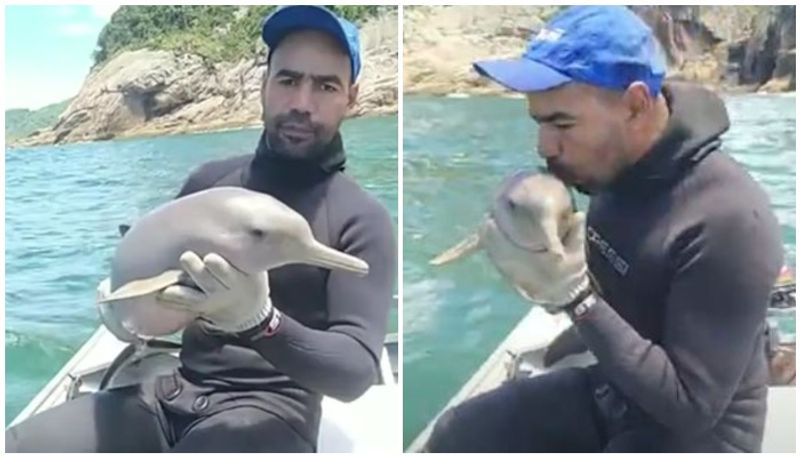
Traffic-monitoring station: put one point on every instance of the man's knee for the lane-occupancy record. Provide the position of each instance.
(12, 440)
(479, 424)
(445, 434)
(552, 411)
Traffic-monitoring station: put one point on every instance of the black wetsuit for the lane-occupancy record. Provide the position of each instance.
(230, 395)
(683, 250)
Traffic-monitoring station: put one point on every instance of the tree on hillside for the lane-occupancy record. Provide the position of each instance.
(213, 32)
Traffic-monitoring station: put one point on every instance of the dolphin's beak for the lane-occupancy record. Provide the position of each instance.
(323, 256)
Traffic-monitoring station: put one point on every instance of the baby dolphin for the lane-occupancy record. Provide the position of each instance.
(251, 230)
(523, 232)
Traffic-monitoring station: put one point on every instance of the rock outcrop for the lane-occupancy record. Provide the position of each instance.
(150, 92)
(767, 58)
(141, 92)
(752, 47)
(441, 42)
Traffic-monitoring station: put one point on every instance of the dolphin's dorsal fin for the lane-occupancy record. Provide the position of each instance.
(145, 286)
(123, 229)
(464, 247)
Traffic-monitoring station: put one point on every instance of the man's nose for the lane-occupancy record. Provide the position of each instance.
(546, 144)
(302, 100)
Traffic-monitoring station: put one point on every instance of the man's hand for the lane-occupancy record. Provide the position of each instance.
(228, 298)
(571, 279)
(574, 280)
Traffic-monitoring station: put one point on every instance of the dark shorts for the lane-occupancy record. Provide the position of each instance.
(166, 414)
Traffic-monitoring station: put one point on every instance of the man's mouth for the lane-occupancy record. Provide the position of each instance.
(561, 172)
(296, 133)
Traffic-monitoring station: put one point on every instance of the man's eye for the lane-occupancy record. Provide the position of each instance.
(329, 88)
(287, 82)
(563, 126)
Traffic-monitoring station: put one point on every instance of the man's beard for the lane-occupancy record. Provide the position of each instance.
(560, 172)
(309, 148)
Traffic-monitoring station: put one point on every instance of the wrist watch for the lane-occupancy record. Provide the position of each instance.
(267, 328)
(581, 305)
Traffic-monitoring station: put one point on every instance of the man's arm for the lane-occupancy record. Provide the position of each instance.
(342, 361)
(723, 273)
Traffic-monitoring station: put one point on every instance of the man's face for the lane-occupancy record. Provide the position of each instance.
(582, 134)
(306, 94)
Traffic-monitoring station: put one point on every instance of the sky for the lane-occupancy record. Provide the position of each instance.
(48, 51)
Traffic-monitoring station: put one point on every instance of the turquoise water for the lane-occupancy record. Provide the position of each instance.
(63, 205)
(456, 151)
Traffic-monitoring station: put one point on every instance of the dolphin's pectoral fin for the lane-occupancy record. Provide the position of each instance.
(464, 247)
(145, 286)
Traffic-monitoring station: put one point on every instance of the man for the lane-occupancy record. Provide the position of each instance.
(682, 252)
(255, 367)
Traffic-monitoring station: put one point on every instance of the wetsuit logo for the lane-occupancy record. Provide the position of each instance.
(607, 251)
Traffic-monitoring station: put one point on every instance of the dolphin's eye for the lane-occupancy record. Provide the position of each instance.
(512, 205)
(258, 233)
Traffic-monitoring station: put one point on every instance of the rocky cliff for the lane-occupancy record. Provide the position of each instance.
(440, 43)
(149, 92)
(749, 47)
(729, 47)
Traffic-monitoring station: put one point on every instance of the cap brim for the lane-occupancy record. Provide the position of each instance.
(290, 18)
(521, 75)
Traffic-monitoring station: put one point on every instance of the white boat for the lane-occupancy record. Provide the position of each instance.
(521, 355)
(368, 424)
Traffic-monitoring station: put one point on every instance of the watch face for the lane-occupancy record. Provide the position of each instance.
(583, 307)
(274, 324)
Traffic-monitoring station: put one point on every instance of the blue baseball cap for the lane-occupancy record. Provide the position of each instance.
(288, 19)
(606, 46)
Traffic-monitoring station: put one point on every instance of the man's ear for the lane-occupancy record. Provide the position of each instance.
(352, 96)
(637, 99)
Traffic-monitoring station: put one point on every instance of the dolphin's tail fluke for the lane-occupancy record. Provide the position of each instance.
(464, 247)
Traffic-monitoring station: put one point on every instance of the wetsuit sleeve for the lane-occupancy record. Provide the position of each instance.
(722, 273)
(342, 361)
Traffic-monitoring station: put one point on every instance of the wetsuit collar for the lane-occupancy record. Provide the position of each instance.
(269, 167)
(697, 119)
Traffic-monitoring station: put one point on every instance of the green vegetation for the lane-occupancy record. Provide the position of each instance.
(22, 122)
(217, 33)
